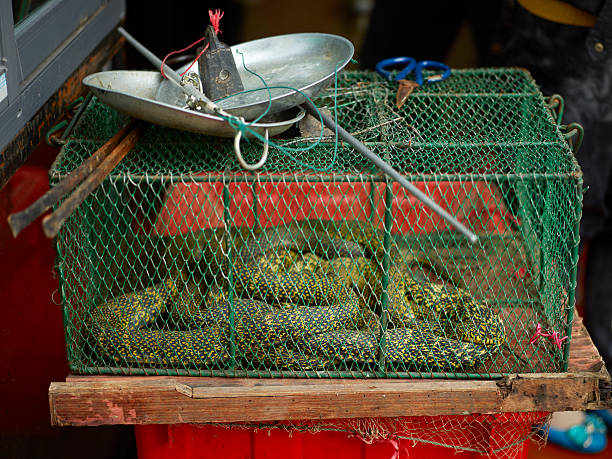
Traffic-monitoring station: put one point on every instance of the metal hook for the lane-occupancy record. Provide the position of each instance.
(556, 104)
(250, 167)
(571, 130)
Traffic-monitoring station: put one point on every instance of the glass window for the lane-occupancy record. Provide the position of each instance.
(23, 8)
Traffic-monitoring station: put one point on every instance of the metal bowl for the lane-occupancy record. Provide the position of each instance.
(133, 93)
(304, 61)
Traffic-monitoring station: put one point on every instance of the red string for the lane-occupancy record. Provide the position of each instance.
(179, 51)
(552, 335)
(196, 60)
(215, 17)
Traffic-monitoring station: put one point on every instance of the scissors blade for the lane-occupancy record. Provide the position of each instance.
(403, 92)
(434, 78)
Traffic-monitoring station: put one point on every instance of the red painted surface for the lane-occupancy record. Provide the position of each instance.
(31, 330)
(192, 206)
(204, 442)
(32, 345)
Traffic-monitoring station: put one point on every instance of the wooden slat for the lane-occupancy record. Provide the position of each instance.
(550, 392)
(583, 353)
(127, 400)
(333, 389)
(143, 402)
(97, 400)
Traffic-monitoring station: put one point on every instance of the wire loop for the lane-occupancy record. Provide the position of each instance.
(241, 161)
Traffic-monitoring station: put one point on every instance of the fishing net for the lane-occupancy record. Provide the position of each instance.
(318, 265)
(506, 435)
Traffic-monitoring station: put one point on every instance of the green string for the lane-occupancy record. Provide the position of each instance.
(264, 83)
(240, 125)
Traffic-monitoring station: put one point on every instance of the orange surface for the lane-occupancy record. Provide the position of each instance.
(191, 206)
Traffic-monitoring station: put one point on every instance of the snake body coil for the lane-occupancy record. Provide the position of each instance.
(305, 297)
(405, 348)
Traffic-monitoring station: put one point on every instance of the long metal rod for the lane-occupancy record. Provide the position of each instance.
(390, 171)
(310, 108)
(334, 179)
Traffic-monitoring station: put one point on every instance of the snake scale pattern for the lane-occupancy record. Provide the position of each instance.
(306, 296)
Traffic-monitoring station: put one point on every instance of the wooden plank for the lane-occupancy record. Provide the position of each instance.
(137, 402)
(329, 388)
(583, 353)
(127, 400)
(53, 222)
(20, 220)
(97, 400)
(553, 392)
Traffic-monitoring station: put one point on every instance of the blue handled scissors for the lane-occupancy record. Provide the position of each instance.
(412, 64)
(406, 86)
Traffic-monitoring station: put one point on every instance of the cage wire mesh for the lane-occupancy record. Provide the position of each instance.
(181, 263)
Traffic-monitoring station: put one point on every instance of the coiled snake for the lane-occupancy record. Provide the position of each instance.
(303, 296)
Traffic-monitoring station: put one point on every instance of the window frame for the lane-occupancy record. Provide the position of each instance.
(43, 50)
(46, 28)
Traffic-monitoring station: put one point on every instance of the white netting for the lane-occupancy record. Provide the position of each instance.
(501, 435)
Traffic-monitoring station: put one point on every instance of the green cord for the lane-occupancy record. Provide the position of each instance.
(264, 83)
(23, 10)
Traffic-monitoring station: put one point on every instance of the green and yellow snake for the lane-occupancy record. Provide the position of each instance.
(304, 296)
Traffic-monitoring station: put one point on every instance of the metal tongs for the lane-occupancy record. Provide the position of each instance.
(209, 106)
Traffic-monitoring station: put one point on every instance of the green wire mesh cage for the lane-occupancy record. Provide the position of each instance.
(318, 265)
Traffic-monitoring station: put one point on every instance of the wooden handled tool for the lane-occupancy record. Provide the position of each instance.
(52, 223)
(20, 220)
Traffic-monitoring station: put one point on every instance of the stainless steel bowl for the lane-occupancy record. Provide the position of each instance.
(133, 93)
(304, 61)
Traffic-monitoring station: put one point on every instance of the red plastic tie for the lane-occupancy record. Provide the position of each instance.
(521, 273)
(215, 17)
(551, 335)
(396, 453)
